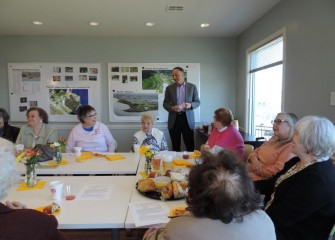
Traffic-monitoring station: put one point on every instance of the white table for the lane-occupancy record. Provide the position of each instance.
(84, 214)
(137, 197)
(98, 165)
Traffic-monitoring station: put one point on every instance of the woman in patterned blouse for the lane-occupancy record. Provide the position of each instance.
(149, 135)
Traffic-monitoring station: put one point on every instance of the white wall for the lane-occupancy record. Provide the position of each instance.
(310, 53)
(217, 58)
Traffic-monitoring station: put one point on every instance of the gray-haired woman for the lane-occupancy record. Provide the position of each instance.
(302, 205)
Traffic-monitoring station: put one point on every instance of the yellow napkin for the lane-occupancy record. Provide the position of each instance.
(39, 185)
(85, 156)
(19, 157)
(115, 157)
(143, 175)
(53, 164)
(196, 154)
(182, 162)
(40, 209)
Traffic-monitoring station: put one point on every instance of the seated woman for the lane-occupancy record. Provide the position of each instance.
(267, 160)
(16, 221)
(302, 205)
(7, 131)
(225, 134)
(222, 203)
(89, 134)
(37, 131)
(150, 135)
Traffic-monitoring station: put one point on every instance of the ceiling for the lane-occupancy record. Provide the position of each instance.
(227, 18)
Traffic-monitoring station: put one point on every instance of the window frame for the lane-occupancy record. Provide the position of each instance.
(249, 100)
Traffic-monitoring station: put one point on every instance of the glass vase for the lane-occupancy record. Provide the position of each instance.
(58, 155)
(148, 166)
(31, 177)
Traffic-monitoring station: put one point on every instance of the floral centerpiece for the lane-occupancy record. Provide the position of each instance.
(58, 152)
(149, 153)
(30, 159)
(62, 142)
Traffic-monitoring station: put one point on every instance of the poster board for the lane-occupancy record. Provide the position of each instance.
(135, 88)
(58, 88)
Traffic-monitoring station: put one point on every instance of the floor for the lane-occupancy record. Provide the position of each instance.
(103, 234)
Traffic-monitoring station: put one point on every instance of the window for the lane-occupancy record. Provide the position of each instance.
(265, 78)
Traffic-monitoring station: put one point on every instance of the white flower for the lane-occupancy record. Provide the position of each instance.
(56, 144)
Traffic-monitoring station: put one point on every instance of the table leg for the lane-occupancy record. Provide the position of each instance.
(115, 234)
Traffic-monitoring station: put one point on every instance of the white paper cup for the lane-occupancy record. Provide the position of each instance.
(56, 189)
(19, 148)
(77, 151)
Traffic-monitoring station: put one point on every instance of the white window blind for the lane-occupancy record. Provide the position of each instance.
(266, 56)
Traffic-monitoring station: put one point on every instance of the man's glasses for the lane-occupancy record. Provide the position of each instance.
(278, 121)
(92, 115)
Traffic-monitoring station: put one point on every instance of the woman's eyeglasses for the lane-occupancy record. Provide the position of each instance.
(278, 121)
(92, 115)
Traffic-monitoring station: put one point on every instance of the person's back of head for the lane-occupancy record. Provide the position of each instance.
(8, 171)
(220, 188)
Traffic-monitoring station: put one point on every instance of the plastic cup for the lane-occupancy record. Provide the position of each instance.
(70, 193)
(77, 151)
(56, 189)
(167, 163)
(19, 148)
(156, 163)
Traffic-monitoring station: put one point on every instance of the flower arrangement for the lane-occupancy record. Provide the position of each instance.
(149, 153)
(58, 152)
(29, 157)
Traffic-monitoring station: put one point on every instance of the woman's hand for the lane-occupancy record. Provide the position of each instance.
(255, 165)
(150, 230)
(15, 205)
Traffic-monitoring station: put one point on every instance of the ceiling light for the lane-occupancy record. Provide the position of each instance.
(93, 24)
(204, 25)
(37, 23)
(149, 24)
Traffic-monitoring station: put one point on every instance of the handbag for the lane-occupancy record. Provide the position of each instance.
(46, 152)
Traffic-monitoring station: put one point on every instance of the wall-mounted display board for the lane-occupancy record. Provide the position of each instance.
(135, 88)
(58, 88)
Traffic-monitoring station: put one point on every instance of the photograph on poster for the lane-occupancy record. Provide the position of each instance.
(66, 101)
(57, 70)
(124, 78)
(83, 70)
(23, 99)
(133, 69)
(31, 75)
(93, 71)
(134, 104)
(69, 69)
(92, 78)
(156, 79)
(116, 77)
(68, 78)
(133, 78)
(33, 103)
(82, 77)
(23, 108)
(124, 69)
(115, 69)
(56, 78)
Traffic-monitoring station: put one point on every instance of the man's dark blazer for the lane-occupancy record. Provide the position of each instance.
(170, 100)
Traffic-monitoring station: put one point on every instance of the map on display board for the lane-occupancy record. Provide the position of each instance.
(58, 88)
(135, 88)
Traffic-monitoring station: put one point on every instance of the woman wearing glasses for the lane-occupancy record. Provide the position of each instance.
(267, 160)
(90, 135)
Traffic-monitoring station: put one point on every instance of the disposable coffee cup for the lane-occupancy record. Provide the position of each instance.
(77, 151)
(56, 189)
(19, 148)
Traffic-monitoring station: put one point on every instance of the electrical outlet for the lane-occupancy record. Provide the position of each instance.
(332, 98)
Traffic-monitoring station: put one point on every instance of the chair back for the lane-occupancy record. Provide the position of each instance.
(248, 148)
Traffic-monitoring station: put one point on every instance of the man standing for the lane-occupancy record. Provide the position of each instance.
(180, 99)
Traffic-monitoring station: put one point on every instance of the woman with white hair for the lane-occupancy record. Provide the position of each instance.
(302, 205)
(149, 135)
(16, 221)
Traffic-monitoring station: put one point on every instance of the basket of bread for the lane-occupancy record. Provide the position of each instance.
(170, 186)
